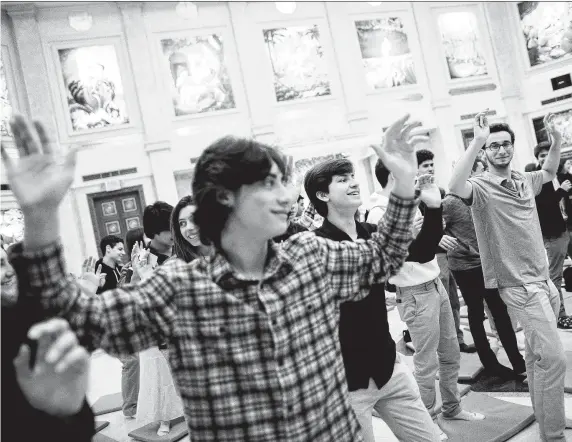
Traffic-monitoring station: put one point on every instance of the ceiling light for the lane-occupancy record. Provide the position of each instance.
(286, 7)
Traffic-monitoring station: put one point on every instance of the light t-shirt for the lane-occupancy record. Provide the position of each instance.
(508, 231)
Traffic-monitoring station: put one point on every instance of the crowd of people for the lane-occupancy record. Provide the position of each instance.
(240, 311)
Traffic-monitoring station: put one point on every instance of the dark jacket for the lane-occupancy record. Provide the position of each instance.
(21, 422)
(112, 276)
(568, 199)
(552, 223)
(367, 347)
(423, 208)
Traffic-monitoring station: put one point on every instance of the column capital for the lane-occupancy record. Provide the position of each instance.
(21, 10)
(129, 5)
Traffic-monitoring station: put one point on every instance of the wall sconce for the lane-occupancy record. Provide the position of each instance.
(286, 7)
(81, 22)
(187, 10)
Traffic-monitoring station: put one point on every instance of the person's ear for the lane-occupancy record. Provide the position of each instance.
(225, 197)
(107, 249)
(323, 196)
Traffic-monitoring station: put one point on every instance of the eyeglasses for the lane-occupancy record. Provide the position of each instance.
(496, 146)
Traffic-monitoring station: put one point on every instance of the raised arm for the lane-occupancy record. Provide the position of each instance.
(352, 267)
(120, 321)
(552, 161)
(459, 184)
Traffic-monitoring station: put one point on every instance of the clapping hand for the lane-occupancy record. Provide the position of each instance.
(397, 150)
(448, 243)
(430, 193)
(481, 128)
(142, 268)
(92, 277)
(42, 174)
(57, 383)
(551, 127)
(566, 185)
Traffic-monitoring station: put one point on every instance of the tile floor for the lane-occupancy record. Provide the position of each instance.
(105, 378)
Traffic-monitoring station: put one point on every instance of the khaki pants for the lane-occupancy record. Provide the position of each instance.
(536, 306)
(399, 404)
(426, 310)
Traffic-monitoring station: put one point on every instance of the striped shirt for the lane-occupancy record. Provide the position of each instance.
(253, 360)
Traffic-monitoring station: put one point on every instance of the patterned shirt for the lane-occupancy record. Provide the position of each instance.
(253, 360)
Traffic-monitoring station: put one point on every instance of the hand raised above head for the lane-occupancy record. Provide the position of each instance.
(550, 127)
(481, 128)
(397, 150)
(42, 174)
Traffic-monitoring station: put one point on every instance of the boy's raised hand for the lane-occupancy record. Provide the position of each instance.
(42, 174)
(397, 150)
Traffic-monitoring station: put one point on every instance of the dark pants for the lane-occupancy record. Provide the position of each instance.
(450, 285)
(472, 285)
(130, 384)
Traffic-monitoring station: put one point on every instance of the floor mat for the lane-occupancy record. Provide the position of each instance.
(107, 404)
(148, 433)
(471, 365)
(486, 382)
(503, 420)
(463, 388)
(100, 425)
(568, 382)
(102, 438)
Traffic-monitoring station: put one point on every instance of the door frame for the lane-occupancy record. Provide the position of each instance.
(113, 193)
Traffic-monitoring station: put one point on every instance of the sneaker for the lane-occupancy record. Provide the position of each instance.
(406, 336)
(565, 323)
(467, 348)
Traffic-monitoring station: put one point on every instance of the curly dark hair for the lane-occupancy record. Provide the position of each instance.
(226, 165)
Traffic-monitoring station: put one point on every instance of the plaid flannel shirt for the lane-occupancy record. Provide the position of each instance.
(253, 360)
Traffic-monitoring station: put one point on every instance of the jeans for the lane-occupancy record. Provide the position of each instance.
(556, 249)
(536, 305)
(398, 403)
(448, 281)
(426, 310)
(472, 285)
(130, 384)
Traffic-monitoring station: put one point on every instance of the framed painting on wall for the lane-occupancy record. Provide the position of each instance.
(5, 105)
(562, 121)
(199, 81)
(385, 53)
(93, 86)
(461, 44)
(299, 67)
(547, 30)
(11, 226)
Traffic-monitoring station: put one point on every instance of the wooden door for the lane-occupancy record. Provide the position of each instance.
(114, 213)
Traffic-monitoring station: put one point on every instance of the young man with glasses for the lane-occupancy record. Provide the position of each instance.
(514, 259)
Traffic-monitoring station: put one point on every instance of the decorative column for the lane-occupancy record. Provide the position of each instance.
(155, 119)
(259, 104)
(509, 77)
(443, 139)
(34, 69)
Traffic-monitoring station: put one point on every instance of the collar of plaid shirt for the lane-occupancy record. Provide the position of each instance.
(277, 266)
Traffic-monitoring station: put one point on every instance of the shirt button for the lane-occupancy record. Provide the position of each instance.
(309, 306)
(280, 361)
(290, 408)
(222, 330)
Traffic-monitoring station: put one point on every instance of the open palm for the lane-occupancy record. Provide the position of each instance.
(397, 150)
(41, 176)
